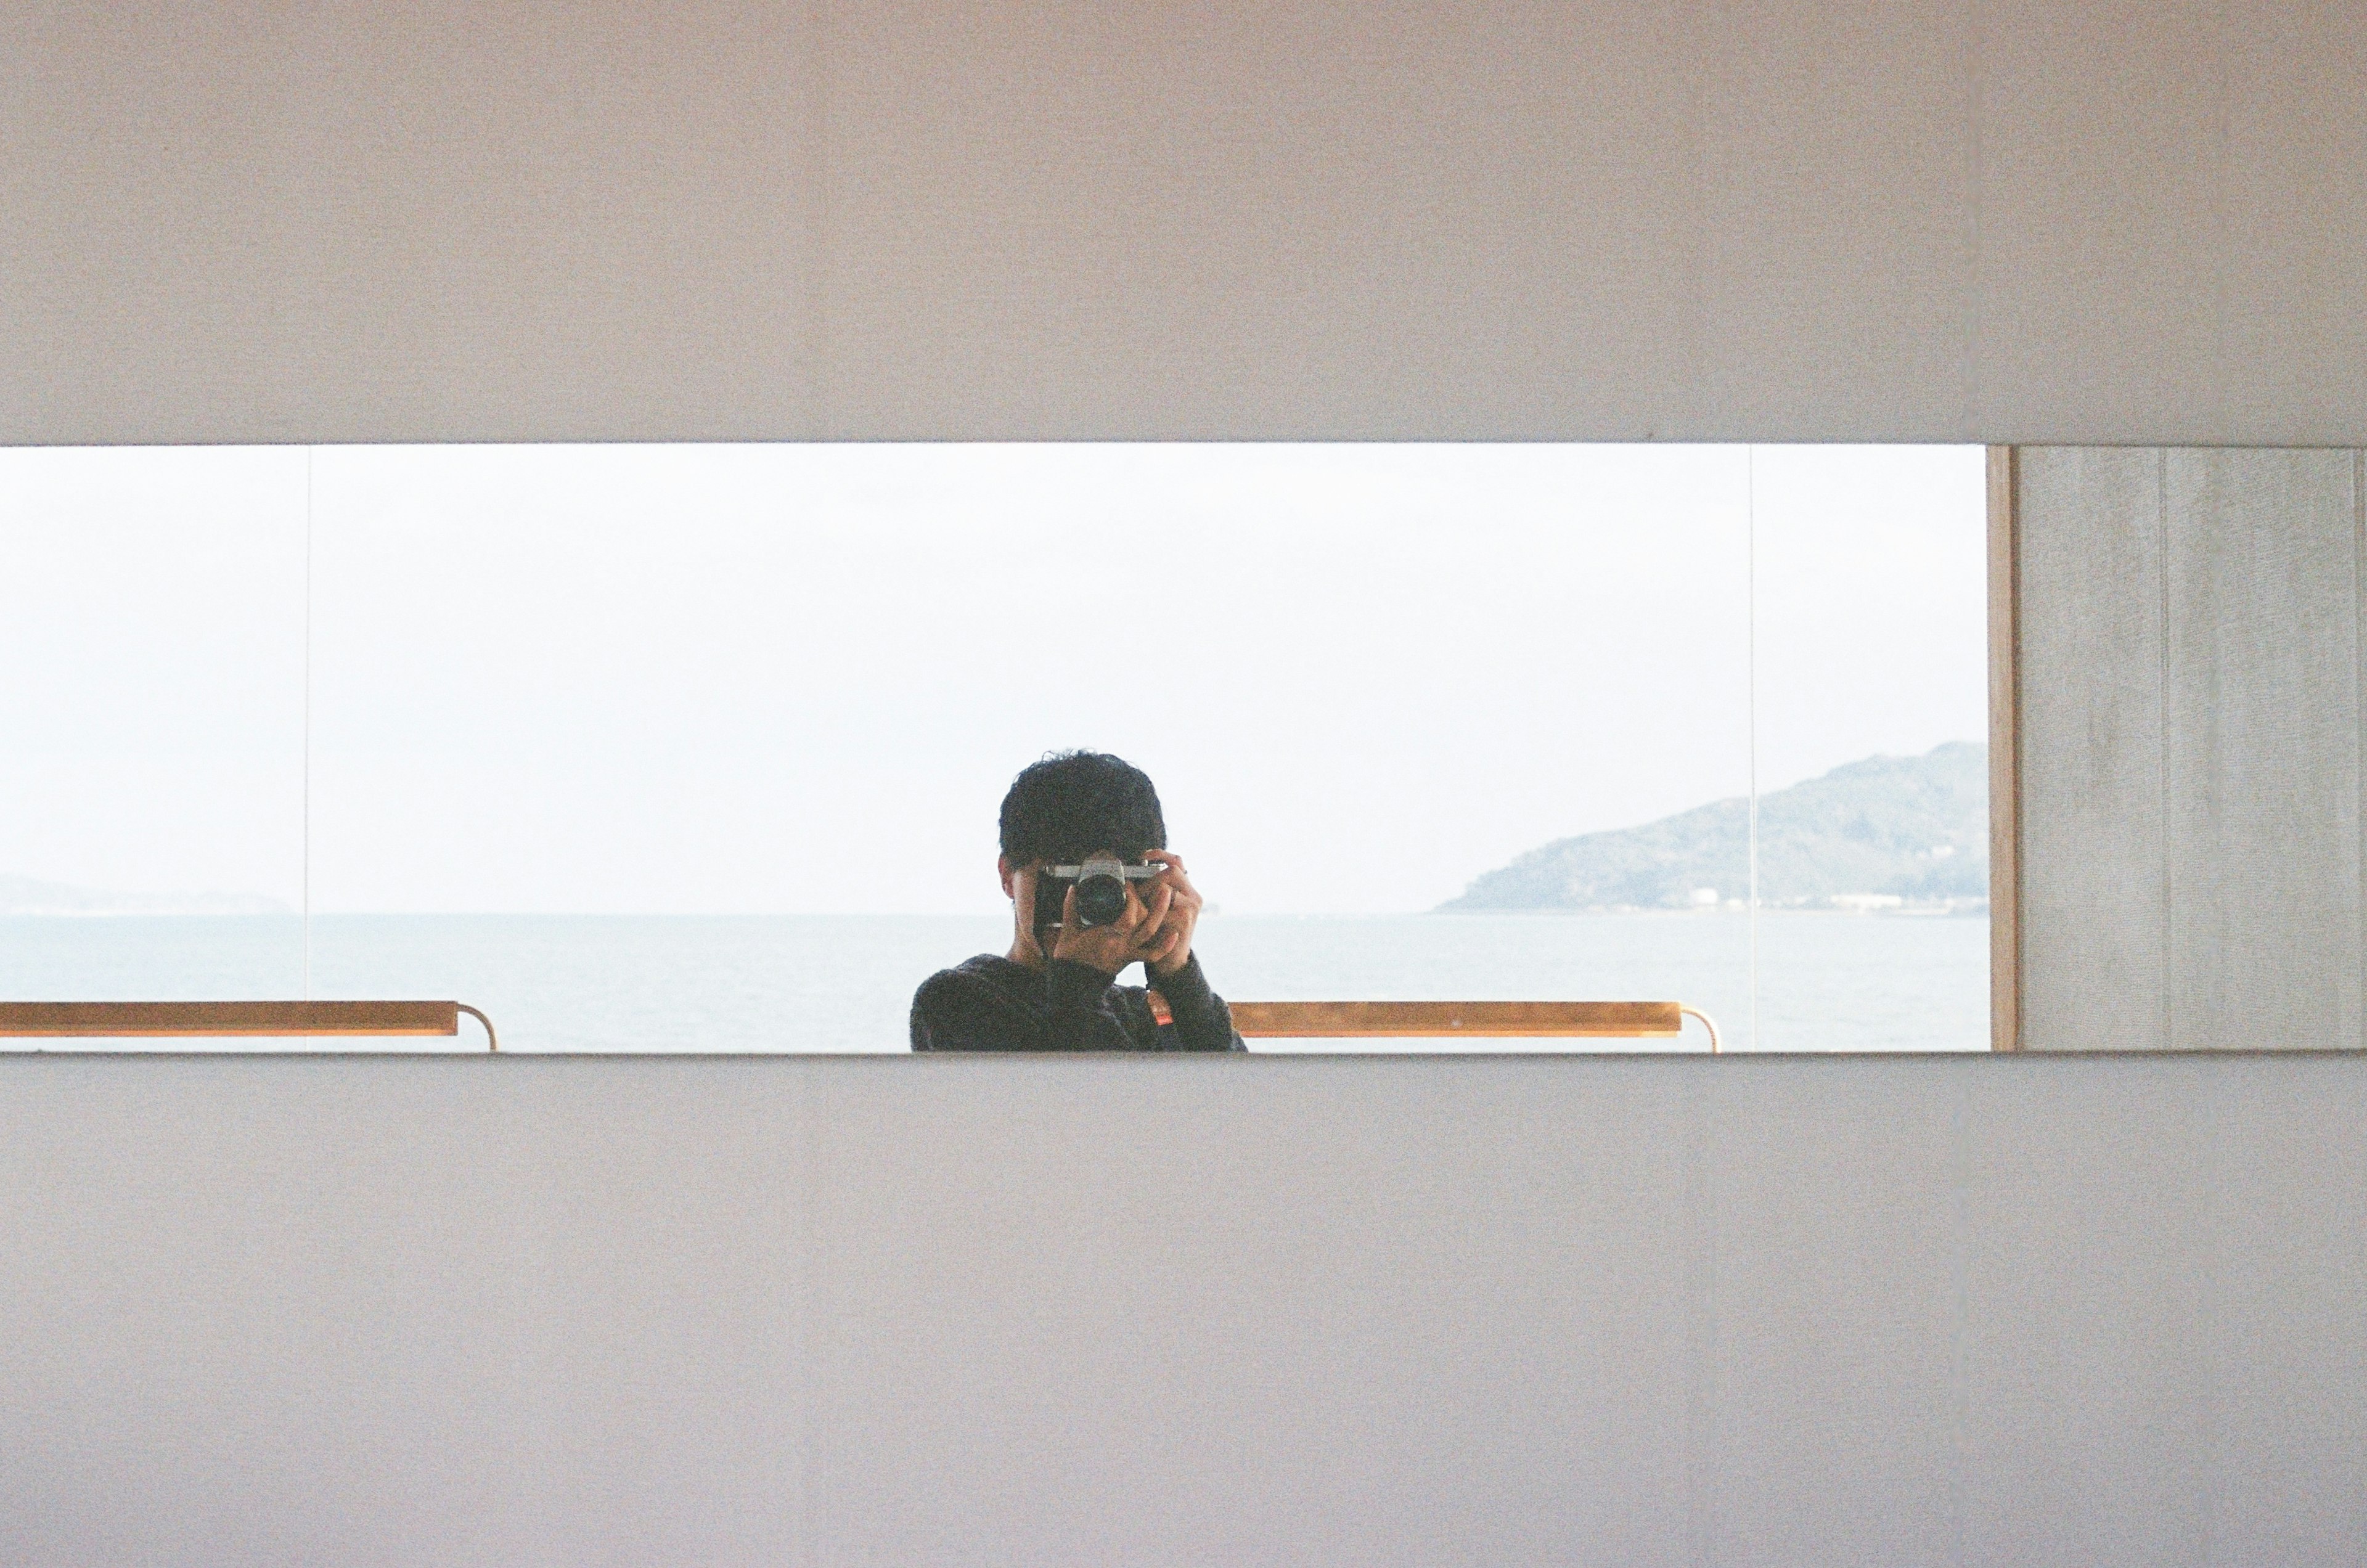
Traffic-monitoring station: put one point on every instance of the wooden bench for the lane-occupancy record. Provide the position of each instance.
(34, 1020)
(1444, 1020)
(1255, 1020)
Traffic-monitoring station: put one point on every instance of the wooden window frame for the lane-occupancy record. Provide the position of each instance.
(2005, 751)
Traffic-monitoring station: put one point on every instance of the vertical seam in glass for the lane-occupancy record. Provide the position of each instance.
(1751, 639)
(307, 895)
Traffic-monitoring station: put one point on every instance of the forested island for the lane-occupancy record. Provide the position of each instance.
(1887, 832)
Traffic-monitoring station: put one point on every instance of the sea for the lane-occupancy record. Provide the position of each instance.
(1784, 981)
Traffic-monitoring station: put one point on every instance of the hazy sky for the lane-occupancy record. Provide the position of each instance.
(799, 678)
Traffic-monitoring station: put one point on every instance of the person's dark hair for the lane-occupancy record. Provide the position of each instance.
(1074, 803)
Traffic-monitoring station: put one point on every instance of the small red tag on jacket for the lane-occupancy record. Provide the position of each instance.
(1159, 1013)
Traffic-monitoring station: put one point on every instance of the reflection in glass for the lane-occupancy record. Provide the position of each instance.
(700, 747)
(151, 827)
(1872, 716)
(569, 698)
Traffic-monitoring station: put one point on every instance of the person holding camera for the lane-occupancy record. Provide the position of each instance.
(1092, 888)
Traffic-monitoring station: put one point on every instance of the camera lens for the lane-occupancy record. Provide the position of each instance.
(1100, 900)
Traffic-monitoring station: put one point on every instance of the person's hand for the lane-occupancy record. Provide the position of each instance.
(1170, 947)
(1112, 947)
(1025, 882)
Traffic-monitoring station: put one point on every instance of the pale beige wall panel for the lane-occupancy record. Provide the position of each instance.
(333, 1313)
(1955, 219)
(1318, 221)
(1834, 1343)
(2293, 148)
(1246, 1318)
(2278, 1499)
(2263, 728)
(2091, 1440)
(449, 220)
(2102, 250)
(1397, 220)
(1837, 218)
(2095, 888)
(2119, 1407)
(1989, 1309)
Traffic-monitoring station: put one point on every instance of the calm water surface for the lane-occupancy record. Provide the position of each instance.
(1827, 982)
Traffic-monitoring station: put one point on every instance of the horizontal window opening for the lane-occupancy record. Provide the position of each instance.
(704, 746)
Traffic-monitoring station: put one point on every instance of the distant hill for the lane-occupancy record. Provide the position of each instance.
(24, 896)
(1913, 828)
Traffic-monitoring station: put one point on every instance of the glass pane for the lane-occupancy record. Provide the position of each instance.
(152, 618)
(702, 747)
(1873, 726)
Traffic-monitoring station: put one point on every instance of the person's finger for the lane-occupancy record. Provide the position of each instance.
(1154, 929)
(1068, 909)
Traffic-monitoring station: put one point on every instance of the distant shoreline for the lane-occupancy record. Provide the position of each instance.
(1970, 909)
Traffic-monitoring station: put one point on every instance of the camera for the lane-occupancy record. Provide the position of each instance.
(1100, 890)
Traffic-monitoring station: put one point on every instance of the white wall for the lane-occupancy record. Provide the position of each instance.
(1998, 1309)
(1986, 1310)
(2192, 729)
(453, 220)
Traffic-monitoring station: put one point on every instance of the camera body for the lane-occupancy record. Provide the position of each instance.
(1100, 883)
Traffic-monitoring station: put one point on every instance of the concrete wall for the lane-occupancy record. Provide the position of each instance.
(460, 220)
(2003, 1310)
(2191, 735)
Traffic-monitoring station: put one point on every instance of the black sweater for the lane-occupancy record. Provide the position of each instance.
(992, 1004)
